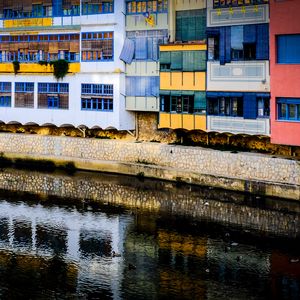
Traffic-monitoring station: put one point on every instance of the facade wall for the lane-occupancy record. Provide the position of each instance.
(285, 77)
(238, 75)
(106, 72)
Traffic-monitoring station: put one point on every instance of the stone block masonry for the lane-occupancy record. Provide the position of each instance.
(254, 173)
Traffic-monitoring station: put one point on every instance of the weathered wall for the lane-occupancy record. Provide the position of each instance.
(250, 172)
(195, 202)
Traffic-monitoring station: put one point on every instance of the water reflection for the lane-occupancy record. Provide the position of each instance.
(59, 251)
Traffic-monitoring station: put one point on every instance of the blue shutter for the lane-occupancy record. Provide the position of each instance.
(250, 106)
(222, 46)
(288, 49)
(225, 45)
(262, 45)
(127, 51)
(141, 48)
(228, 44)
(249, 34)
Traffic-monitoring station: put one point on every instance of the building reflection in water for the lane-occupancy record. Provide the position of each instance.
(50, 252)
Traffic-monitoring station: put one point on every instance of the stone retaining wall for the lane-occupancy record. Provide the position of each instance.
(250, 172)
(276, 217)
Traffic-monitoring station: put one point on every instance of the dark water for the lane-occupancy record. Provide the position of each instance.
(64, 249)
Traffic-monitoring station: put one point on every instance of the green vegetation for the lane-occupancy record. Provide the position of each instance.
(60, 68)
(16, 65)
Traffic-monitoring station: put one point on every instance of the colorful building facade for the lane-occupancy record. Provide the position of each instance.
(238, 78)
(285, 72)
(146, 29)
(183, 68)
(37, 37)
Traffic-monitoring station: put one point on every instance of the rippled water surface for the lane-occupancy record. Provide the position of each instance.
(52, 248)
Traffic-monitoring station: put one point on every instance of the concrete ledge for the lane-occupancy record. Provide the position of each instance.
(263, 188)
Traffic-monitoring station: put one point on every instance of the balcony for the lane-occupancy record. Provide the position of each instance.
(260, 126)
(252, 14)
(183, 121)
(238, 76)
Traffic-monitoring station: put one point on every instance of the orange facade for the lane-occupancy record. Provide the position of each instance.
(285, 77)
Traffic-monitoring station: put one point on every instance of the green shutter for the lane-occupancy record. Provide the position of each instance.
(199, 60)
(165, 57)
(176, 60)
(187, 93)
(188, 61)
(199, 100)
(164, 92)
(176, 93)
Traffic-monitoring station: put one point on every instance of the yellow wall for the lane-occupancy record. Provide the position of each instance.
(188, 81)
(185, 121)
(33, 22)
(182, 47)
(35, 68)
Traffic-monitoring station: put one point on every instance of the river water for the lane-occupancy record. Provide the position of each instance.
(54, 247)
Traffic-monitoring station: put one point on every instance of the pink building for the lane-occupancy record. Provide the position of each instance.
(285, 71)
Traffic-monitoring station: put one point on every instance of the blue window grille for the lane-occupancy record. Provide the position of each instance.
(5, 87)
(5, 101)
(146, 6)
(97, 46)
(24, 87)
(55, 8)
(233, 3)
(288, 49)
(97, 89)
(97, 97)
(37, 42)
(62, 88)
(288, 109)
(98, 104)
(53, 102)
(97, 7)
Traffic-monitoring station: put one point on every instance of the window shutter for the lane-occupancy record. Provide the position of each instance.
(165, 57)
(188, 61)
(127, 51)
(250, 106)
(249, 33)
(176, 60)
(200, 100)
(262, 45)
(199, 60)
(141, 48)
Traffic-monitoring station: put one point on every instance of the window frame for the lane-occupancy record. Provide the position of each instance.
(287, 102)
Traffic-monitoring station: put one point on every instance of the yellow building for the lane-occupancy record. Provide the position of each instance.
(183, 68)
(182, 86)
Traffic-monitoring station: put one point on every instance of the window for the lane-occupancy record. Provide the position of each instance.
(288, 109)
(226, 106)
(191, 25)
(35, 48)
(288, 49)
(97, 97)
(232, 3)
(53, 95)
(5, 101)
(263, 107)
(97, 7)
(189, 61)
(97, 46)
(141, 7)
(5, 87)
(247, 42)
(24, 96)
(146, 43)
(142, 86)
(53, 102)
(183, 102)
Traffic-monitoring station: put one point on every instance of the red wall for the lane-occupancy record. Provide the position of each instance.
(285, 79)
